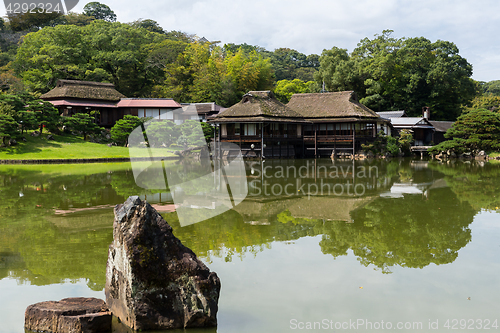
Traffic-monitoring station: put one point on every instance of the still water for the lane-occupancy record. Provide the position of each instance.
(315, 246)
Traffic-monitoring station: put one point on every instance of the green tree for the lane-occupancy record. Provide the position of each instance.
(204, 72)
(46, 114)
(492, 87)
(286, 88)
(8, 127)
(487, 101)
(123, 127)
(33, 21)
(474, 130)
(84, 123)
(162, 132)
(401, 74)
(78, 19)
(289, 64)
(193, 132)
(405, 140)
(100, 11)
(148, 24)
(100, 51)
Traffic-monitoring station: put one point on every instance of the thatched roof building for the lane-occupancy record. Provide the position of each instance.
(259, 106)
(86, 90)
(335, 106)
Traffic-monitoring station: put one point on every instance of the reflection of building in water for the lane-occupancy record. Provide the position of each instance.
(316, 208)
(398, 190)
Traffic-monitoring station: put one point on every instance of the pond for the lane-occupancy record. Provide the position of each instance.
(316, 245)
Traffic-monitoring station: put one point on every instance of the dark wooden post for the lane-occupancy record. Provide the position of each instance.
(315, 140)
(262, 140)
(353, 139)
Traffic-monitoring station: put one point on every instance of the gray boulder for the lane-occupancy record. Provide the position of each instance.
(70, 315)
(154, 282)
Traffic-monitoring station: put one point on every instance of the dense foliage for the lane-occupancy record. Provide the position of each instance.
(143, 60)
(473, 131)
(401, 74)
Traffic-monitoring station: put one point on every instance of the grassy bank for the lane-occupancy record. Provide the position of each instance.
(66, 147)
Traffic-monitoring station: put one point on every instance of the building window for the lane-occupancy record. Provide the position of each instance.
(237, 129)
(250, 129)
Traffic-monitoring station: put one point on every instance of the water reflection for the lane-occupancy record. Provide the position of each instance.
(57, 220)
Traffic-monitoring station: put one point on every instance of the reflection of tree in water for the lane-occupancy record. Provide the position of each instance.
(478, 183)
(40, 247)
(410, 232)
(49, 253)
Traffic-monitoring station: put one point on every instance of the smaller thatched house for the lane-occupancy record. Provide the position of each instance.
(339, 122)
(262, 125)
(73, 96)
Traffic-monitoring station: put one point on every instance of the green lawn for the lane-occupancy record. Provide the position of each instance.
(68, 147)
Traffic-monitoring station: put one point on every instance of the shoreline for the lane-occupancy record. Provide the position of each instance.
(86, 160)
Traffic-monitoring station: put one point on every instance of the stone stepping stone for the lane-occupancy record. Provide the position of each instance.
(73, 315)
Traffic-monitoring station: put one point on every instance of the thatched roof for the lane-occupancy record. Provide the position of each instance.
(334, 105)
(259, 106)
(83, 90)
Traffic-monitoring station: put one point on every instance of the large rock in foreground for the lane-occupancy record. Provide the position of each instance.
(70, 315)
(154, 282)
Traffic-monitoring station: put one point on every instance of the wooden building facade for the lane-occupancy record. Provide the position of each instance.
(73, 96)
(262, 126)
(339, 122)
(309, 125)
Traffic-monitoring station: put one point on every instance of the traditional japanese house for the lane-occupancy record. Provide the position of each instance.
(421, 128)
(440, 128)
(262, 126)
(339, 123)
(72, 96)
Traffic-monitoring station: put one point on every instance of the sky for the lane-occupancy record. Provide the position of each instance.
(310, 26)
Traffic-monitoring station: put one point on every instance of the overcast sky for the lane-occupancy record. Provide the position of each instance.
(309, 26)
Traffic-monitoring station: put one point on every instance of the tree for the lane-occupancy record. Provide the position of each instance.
(474, 130)
(84, 123)
(492, 87)
(148, 24)
(123, 127)
(33, 21)
(192, 131)
(286, 88)
(401, 74)
(8, 127)
(78, 19)
(100, 51)
(205, 72)
(162, 132)
(99, 11)
(45, 113)
(290, 64)
(405, 140)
